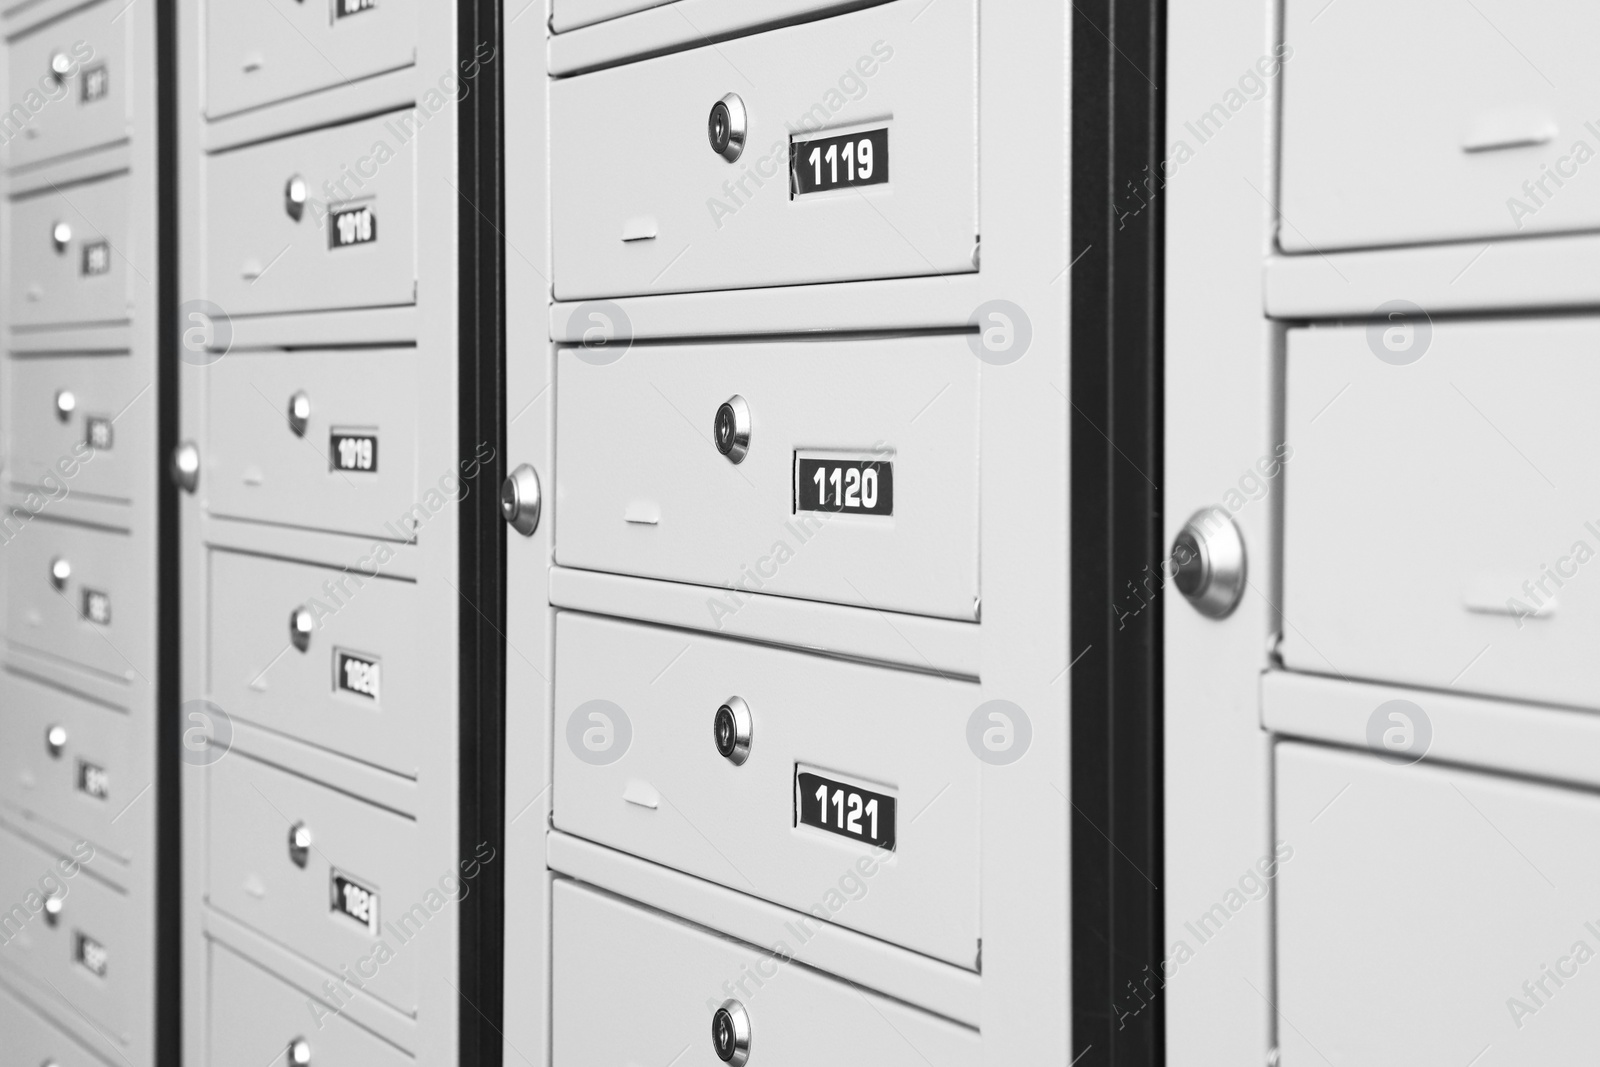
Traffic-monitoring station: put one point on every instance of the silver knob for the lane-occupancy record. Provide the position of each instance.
(521, 500)
(301, 623)
(52, 909)
(731, 429)
(1208, 562)
(60, 571)
(299, 844)
(294, 197)
(727, 127)
(60, 66)
(186, 467)
(730, 1033)
(730, 729)
(55, 739)
(61, 236)
(66, 404)
(300, 1052)
(299, 413)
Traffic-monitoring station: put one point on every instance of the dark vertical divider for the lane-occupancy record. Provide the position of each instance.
(481, 214)
(1118, 116)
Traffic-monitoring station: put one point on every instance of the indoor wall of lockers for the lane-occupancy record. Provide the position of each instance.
(542, 531)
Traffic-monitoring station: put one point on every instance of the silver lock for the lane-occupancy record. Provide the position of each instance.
(521, 500)
(294, 197)
(60, 67)
(55, 739)
(60, 236)
(1208, 562)
(300, 1052)
(730, 729)
(299, 413)
(731, 429)
(730, 1033)
(185, 467)
(727, 127)
(52, 909)
(60, 572)
(301, 623)
(66, 404)
(300, 844)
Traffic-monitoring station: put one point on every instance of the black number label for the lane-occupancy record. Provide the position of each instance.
(97, 258)
(93, 781)
(356, 674)
(847, 810)
(352, 226)
(353, 451)
(94, 84)
(842, 162)
(342, 8)
(97, 607)
(853, 487)
(97, 433)
(353, 900)
(90, 954)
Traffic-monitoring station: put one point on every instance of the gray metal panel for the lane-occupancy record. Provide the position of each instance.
(664, 793)
(100, 444)
(70, 79)
(277, 49)
(32, 1040)
(664, 979)
(85, 278)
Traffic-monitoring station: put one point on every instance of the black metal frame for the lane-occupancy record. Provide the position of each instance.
(482, 570)
(1118, 116)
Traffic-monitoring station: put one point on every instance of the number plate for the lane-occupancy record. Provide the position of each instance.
(353, 451)
(90, 954)
(97, 433)
(97, 258)
(353, 900)
(93, 780)
(844, 161)
(94, 83)
(352, 226)
(342, 8)
(844, 809)
(355, 674)
(847, 486)
(97, 607)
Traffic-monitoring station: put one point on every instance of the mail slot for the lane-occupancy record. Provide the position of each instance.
(321, 440)
(68, 247)
(1441, 516)
(327, 875)
(70, 85)
(331, 656)
(844, 471)
(82, 424)
(635, 986)
(858, 160)
(1450, 131)
(272, 50)
(314, 221)
(827, 797)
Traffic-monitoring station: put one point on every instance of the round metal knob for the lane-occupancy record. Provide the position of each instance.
(60, 572)
(55, 739)
(294, 197)
(1208, 562)
(52, 909)
(299, 844)
(185, 468)
(300, 1052)
(521, 500)
(727, 126)
(299, 413)
(731, 429)
(66, 404)
(60, 66)
(61, 236)
(730, 729)
(301, 623)
(730, 1033)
